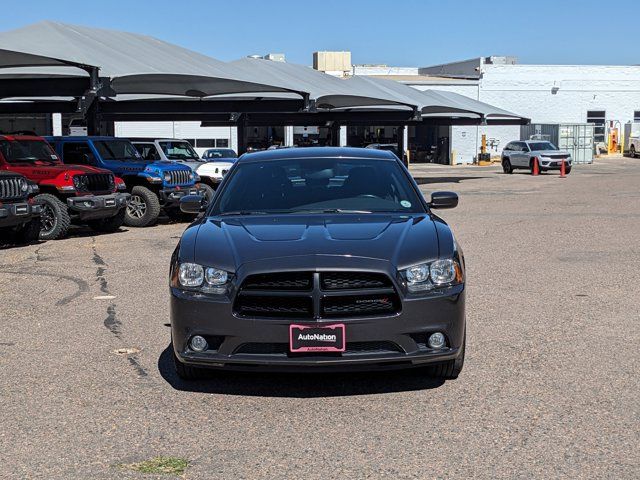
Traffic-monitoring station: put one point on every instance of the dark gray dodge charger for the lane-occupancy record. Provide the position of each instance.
(318, 259)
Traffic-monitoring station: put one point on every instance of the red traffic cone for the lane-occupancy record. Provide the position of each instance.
(562, 173)
(536, 168)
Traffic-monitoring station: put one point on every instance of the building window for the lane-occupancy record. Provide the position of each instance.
(636, 116)
(222, 143)
(205, 143)
(598, 118)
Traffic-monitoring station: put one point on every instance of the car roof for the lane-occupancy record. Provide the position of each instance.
(317, 152)
(76, 138)
(9, 136)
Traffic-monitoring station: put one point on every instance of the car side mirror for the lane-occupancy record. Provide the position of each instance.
(443, 200)
(192, 204)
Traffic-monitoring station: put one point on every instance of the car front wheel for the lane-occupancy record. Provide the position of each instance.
(143, 208)
(54, 219)
(506, 166)
(632, 151)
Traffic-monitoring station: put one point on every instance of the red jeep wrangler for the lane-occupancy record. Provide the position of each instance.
(68, 193)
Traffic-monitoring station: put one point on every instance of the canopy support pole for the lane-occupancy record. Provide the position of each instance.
(401, 143)
(335, 134)
(242, 133)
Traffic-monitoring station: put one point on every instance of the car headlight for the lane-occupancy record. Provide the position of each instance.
(427, 276)
(191, 275)
(206, 279)
(216, 277)
(167, 177)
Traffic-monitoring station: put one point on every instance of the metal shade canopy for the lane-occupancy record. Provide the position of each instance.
(133, 63)
(328, 92)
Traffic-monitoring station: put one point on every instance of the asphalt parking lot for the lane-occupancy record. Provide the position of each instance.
(549, 389)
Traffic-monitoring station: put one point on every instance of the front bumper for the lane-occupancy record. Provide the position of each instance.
(554, 164)
(90, 207)
(13, 214)
(172, 196)
(212, 317)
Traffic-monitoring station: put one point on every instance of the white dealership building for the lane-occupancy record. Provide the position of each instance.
(600, 95)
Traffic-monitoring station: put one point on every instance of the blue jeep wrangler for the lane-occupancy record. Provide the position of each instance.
(153, 185)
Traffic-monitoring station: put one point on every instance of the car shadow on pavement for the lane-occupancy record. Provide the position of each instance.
(296, 385)
(427, 180)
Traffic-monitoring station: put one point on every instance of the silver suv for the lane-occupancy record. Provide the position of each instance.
(521, 155)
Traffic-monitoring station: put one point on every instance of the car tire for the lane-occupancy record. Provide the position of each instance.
(30, 232)
(188, 372)
(506, 166)
(567, 170)
(451, 369)
(632, 151)
(143, 208)
(108, 225)
(54, 219)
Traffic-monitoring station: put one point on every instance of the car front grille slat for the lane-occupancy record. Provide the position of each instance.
(352, 306)
(11, 188)
(279, 281)
(179, 177)
(94, 182)
(354, 280)
(264, 306)
(309, 295)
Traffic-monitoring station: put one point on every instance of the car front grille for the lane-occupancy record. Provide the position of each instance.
(11, 188)
(279, 281)
(355, 305)
(180, 177)
(269, 306)
(352, 348)
(354, 280)
(309, 295)
(94, 182)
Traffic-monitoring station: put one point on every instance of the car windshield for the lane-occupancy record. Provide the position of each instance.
(318, 185)
(179, 151)
(220, 153)
(27, 151)
(541, 146)
(117, 150)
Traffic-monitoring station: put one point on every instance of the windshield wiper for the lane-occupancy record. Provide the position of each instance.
(242, 212)
(332, 210)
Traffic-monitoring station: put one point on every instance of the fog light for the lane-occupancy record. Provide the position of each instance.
(436, 340)
(198, 343)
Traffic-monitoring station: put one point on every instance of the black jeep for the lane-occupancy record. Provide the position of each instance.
(19, 215)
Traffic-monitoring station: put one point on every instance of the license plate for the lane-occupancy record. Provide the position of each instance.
(312, 338)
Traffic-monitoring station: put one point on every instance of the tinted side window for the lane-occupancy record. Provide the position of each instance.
(77, 153)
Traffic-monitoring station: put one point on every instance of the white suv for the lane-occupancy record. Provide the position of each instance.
(218, 161)
(522, 154)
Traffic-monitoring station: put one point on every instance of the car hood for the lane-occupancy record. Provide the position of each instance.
(230, 243)
(46, 170)
(211, 166)
(166, 165)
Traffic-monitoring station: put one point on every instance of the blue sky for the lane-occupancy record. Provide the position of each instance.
(395, 32)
